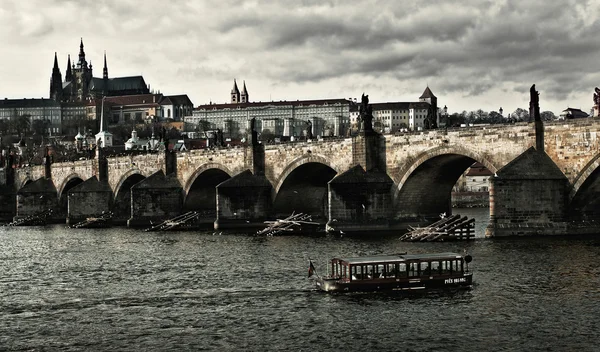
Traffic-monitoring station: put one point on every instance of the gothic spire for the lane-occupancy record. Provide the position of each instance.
(56, 81)
(82, 62)
(235, 93)
(105, 70)
(69, 74)
(55, 68)
(244, 96)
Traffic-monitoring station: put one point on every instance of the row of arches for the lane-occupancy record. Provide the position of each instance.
(424, 187)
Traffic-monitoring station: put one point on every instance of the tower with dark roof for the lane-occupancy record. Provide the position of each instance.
(105, 69)
(244, 98)
(428, 97)
(69, 73)
(56, 82)
(235, 93)
(82, 75)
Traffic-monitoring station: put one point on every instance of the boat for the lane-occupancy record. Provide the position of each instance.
(396, 272)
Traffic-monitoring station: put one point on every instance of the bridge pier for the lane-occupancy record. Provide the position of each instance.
(243, 201)
(8, 196)
(528, 197)
(36, 197)
(360, 201)
(88, 199)
(157, 198)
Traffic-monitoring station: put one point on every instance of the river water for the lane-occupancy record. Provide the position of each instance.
(121, 289)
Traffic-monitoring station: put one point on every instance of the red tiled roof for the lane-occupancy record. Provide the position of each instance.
(139, 99)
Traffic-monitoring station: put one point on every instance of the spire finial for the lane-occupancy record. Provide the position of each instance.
(105, 69)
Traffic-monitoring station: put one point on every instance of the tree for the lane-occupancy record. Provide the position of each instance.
(40, 127)
(266, 135)
(548, 116)
(495, 118)
(4, 127)
(520, 115)
(21, 124)
(456, 119)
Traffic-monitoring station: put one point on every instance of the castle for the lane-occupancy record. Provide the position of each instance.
(80, 85)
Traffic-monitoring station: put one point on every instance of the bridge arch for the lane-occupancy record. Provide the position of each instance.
(301, 160)
(423, 187)
(63, 191)
(302, 187)
(69, 182)
(122, 195)
(200, 189)
(584, 196)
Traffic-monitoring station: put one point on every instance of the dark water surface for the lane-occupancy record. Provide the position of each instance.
(121, 289)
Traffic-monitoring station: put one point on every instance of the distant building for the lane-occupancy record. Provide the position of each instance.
(572, 113)
(402, 116)
(79, 85)
(136, 143)
(46, 110)
(148, 108)
(325, 117)
(474, 179)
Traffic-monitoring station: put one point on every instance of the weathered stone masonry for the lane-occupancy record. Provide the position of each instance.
(365, 182)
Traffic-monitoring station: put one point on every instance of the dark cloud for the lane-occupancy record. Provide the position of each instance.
(466, 48)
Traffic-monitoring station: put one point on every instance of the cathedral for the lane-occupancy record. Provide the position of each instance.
(80, 85)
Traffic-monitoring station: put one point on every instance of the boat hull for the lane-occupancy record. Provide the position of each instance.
(464, 281)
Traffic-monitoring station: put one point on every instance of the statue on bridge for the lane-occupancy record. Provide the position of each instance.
(309, 134)
(597, 96)
(253, 135)
(365, 116)
(534, 104)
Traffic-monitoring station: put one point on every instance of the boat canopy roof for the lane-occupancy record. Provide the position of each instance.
(393, 258)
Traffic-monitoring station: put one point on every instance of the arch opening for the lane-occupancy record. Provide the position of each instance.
(122, 203)
(305, 191)
(585, 205)
(202, 194)
(427, 192)
(63, 202)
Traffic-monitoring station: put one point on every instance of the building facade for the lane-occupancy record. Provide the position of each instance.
(79, 84)
(326, 117)
(394, 117)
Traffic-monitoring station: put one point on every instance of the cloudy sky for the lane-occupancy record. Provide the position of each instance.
(472, 53)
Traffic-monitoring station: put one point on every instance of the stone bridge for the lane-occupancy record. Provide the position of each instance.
(545, 182)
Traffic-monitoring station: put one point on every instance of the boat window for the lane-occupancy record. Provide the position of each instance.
(380, 271)
(445, 264)
(435, 268)
(371, 271)
(425, 269)
(413, 269)
(359, 272)
(401, 269)
(391, 270)
(457, 265)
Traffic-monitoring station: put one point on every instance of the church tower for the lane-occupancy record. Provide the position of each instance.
(56, 82)
(235, 93)
(244, 96)
(432, 114)
(105, 69)
(69, 74)
(82, 75)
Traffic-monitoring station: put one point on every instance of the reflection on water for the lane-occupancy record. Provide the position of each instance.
(122, 289)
